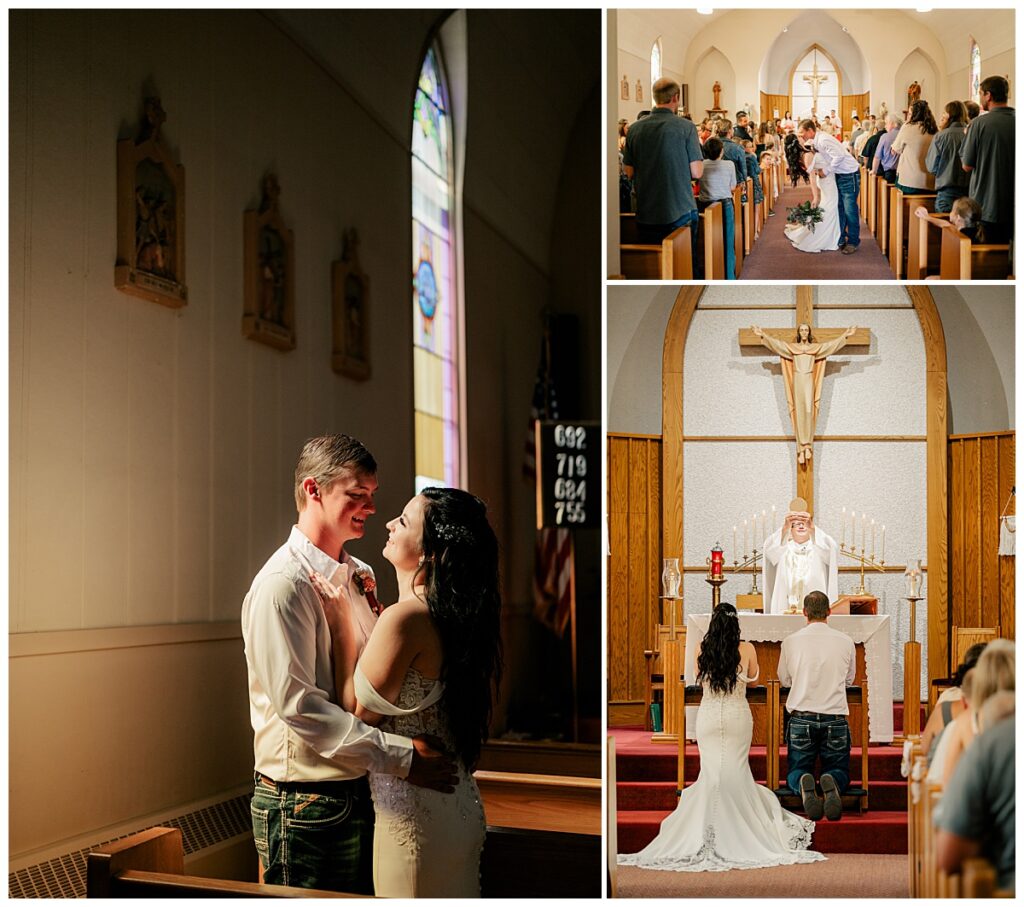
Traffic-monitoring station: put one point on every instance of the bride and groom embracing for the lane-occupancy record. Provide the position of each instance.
(835, 187)
(725, 819)
(340, 688)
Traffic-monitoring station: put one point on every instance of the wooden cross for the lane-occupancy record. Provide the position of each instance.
(804, 315)
(815, 78)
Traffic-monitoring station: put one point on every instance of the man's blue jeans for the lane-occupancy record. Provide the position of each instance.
(945, 197)
(728, 235)
(848, 185)
(655, 233)
(315, 835)
(808, 738)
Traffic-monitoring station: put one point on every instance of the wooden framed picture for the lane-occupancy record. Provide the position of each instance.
(624, 89)
(150, 215)
(350, 311)
(269, 273)
(639, 92)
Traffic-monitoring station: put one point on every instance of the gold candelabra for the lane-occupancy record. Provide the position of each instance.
(866, 561)
(737, 566)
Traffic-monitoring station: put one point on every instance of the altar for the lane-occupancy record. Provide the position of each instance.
(872, 632)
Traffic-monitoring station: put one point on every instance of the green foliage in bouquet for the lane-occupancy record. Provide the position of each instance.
(804, 213)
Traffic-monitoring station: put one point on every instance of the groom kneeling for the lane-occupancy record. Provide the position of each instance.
(818, 663)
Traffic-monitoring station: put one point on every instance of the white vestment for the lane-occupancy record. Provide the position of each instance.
(790, 570)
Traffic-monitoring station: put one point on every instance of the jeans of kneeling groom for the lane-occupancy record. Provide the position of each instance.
(811, 735)
(848, 187)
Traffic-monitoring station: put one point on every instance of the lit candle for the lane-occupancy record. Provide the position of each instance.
(872, 539)
(764, 526)
(882, 555)
(735, 552)
(753, 531)
(744, 540)
(842, 522)
(863, 531)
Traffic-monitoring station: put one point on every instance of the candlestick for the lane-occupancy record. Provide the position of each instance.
(863, 531)
(734, 551)
(744, 540)
(853, 529)
(842, 522)
(872, 539)
(883, 544)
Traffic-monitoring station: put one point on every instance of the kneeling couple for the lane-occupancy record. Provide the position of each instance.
(725, 820)
(337, 691)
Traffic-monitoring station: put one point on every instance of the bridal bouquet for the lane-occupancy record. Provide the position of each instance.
(804, 213)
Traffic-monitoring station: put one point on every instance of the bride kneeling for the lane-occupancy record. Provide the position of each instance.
(725, 820)
(824, 194)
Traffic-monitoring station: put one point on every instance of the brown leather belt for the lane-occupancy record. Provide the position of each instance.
(328, 788)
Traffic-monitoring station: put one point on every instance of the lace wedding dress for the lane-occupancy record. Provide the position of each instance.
(825, 236)
(426, 844)
(725, 820)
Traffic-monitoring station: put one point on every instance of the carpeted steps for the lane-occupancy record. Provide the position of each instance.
(646, 794)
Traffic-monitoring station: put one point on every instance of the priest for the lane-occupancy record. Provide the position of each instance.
(798, 558)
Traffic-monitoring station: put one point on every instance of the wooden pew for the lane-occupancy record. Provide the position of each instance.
(748, 218)
(872, 201)
(611, 833)
(925, 245)
(960, 260)
(672, 259)
(915, 816)
(862, 198)
(902, 206)
(737, 229)
(882, 214)
(710, 242)
(541, 802)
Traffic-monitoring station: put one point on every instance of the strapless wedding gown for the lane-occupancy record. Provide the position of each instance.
(825, 236)
(725, 820)
(425, 844)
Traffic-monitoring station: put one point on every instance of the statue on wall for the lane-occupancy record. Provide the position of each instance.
(624, 89)
(913, 93)
(639, 92)
(716, 89)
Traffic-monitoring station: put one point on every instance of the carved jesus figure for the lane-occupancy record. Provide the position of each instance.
(803, 367)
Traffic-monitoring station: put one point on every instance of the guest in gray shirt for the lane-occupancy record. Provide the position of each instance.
(943, 157)
(716, 185)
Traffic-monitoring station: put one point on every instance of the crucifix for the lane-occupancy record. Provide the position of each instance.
(815, 78)
(803, 351)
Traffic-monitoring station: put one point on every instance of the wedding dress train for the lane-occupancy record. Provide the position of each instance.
(725, 820)
(825, 236)
(426, 844)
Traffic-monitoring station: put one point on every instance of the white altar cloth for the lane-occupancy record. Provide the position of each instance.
(871, 629)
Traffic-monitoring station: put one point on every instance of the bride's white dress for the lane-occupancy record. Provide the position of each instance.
(725, 820)
(425, 843)
(825, 236)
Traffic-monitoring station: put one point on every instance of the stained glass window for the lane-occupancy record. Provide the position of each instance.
(655, 62)
(974, 92)
(435, 306)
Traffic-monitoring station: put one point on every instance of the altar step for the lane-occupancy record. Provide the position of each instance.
(873, 832)
(888, 796)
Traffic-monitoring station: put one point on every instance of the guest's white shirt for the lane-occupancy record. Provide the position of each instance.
(817, 663)
(300, 731)
(838, 157)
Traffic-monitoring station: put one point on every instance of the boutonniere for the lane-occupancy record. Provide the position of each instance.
(364, 580)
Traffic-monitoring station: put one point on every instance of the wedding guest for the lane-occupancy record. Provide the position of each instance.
(754, 171)
(973, 110)
(977, 815)
(911, 144)
(623, 129)
(965, 215)
(885, 158)
(818, 663)
(794, 160)
(869, 147)
(741, 130)
(950, 703)
(716, 185)
(943, 158)
(661, 156)
(731, 150)
(988, 154)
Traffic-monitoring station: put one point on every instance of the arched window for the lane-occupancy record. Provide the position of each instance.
(435, 303)
(655, 63)
(974, 91)
(815, 86)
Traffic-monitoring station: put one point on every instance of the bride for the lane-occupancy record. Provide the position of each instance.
(427, 668)
(824, 194)
(725, 820)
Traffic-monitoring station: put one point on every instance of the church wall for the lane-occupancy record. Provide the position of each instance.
(1000, 64)
(917, 67)
(152, 449)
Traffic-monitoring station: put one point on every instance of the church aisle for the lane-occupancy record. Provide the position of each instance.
(772, 257)
(845, 875)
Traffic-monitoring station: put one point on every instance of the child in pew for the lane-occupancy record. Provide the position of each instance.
(716, 185)
(754, 171)
(965, 215)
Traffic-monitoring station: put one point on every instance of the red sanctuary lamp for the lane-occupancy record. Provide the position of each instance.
(717, 561)
(716, 577)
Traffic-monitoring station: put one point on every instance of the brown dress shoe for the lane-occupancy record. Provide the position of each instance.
(848, 249)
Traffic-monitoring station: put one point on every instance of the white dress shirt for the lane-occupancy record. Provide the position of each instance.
(300, 731)
(838, 157)
(817, 663)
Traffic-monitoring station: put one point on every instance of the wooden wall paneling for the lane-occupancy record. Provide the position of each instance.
(957, 583)
(653, 538)
(618, 571)
(638, 566)
(989, 542)
(972, 534)
(1007, 565)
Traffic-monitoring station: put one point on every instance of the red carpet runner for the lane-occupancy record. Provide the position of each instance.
(646, 794)
(772, 257)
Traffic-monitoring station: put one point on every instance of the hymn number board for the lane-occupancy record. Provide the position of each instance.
(568, 474)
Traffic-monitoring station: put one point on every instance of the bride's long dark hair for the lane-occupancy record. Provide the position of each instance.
(461, 551)
(719, 655)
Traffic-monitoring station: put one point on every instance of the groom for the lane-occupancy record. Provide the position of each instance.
(312, 817)
(839, 161)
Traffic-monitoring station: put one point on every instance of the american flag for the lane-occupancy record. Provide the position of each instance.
(552, 578)
(543, 406)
